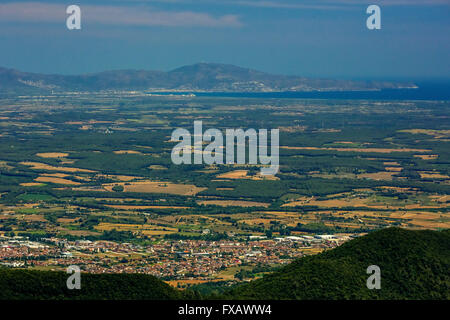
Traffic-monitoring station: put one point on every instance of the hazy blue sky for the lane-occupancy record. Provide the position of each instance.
(318, 38)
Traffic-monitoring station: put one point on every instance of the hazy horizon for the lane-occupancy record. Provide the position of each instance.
(318, 39)
(418, 80)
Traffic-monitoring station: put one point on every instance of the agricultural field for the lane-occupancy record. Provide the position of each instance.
(72, 166)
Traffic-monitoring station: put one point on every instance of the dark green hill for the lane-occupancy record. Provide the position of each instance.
(44, 285)
(414, 265)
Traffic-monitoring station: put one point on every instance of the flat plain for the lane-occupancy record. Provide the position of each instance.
(77, 166)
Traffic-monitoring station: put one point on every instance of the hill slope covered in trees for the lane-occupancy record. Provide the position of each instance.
(414, 265)
(45, 285)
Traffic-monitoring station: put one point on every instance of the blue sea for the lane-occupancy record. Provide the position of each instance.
(426, 91)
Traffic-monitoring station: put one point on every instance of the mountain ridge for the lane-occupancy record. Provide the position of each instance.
(200, 77)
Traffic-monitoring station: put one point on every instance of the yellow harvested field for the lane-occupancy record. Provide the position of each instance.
(31, 184)
(30, 205)
(382, 175)
(420, 206)
(34, 217)
(68, 220)
(429, 220)
(158, 232)
(118, 177)
(127, 152)
(57, 175)
(89, 121)
(79, 232)
(426, 156)
(157, 167)
(56, 180)
(398, 189)
(391, 164)
(147, 229)
(82, 178)
(52, 154)
(415, 215)
(394, 169)
(242, 174)
(333, 203)
(281, 214)
(260, 176)
(375, 150)
(437, 134)
(67, 162)
(234, 203)
(121, 200)
(257, 221)
(43, 166)
(433, 175)
(440, 198)
(237, 174)
(157, 187)
(426, 224)
(131, 207)
(4, 165)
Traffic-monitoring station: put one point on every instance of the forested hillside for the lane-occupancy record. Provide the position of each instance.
(414, 265)
(44, 285)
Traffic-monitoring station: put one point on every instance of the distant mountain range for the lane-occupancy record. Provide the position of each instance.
(201, 77)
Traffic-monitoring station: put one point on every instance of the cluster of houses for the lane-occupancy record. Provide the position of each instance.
(169, 259)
